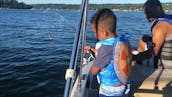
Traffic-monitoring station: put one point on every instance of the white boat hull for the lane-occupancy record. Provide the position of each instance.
(87, 86)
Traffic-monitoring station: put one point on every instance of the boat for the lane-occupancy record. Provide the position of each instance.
(146, 81)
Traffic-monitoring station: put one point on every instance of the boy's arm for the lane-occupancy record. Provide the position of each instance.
(94, 70)
(103, 58)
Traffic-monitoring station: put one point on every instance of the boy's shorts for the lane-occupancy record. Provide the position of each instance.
(112, 91)
(112, 96)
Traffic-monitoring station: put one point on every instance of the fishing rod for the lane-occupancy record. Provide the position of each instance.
(73, 59)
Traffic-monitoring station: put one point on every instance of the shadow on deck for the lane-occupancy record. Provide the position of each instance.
(149, 82)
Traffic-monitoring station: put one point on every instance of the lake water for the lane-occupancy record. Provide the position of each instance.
(35, 48)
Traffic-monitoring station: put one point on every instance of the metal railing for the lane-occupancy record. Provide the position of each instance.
(80, 34)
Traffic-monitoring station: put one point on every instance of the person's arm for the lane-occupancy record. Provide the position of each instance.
(102, 59)
(158, 36)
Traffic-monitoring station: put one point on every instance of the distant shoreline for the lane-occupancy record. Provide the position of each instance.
(116, 7)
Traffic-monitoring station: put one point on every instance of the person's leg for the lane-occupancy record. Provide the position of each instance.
(141, 46)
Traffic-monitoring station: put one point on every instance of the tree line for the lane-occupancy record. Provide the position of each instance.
(119, 7)
(13, 4)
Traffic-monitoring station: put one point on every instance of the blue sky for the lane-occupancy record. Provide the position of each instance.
(79, 1)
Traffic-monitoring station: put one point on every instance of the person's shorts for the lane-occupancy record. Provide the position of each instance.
(110, 91)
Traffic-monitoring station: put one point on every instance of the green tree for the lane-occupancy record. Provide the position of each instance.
(13, 4)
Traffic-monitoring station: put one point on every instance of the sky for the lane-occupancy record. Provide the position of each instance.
(79, 1)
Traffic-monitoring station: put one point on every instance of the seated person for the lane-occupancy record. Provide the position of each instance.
(144, 44)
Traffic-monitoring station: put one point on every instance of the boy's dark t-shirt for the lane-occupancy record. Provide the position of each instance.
(104, 56)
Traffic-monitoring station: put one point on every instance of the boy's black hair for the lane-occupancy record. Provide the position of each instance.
(104, 15)
(150, 8)
(94, 17)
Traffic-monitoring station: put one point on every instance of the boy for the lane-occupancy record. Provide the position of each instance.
(104, 28)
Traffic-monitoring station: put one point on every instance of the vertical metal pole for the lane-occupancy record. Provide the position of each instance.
(74, 51)
(83, 44)
(83, 36)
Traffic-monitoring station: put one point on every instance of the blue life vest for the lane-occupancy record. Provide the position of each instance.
(109, 77)
(167, 18)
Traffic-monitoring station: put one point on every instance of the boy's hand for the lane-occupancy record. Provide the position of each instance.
(87, 49)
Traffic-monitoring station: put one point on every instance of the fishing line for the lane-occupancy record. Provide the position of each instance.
(49, 34)
(63, 19)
